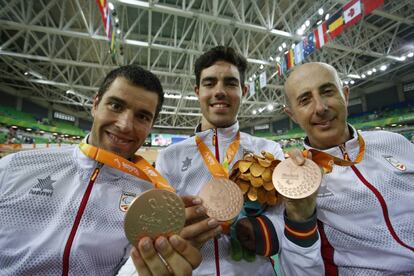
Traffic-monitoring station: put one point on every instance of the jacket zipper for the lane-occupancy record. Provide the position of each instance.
(81, 210)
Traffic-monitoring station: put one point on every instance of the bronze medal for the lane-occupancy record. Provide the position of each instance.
(295, 182)
(154, 213)
(222, 199)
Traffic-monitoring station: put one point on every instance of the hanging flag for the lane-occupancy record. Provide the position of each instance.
(336, 24)
(103, 8)
(262, 79)
(299, 53)
(257, 85)
(290, 59)
(251, 89)
(370, 5)
(283, 65)
(308, 45)
(352, 13)
(108, 26)
(320, 35)
(279, 69)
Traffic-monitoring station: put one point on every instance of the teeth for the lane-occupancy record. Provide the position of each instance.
(220, 105)
(118, 140)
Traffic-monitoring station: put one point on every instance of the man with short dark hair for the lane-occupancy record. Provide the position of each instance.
(62, 210)
(220, 86)
(365, 209)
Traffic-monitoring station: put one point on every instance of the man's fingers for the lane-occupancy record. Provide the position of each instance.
(190, 253)
(297, 157)
(139, 263)
(194, 230)
(177, 264)
(150, 257)
(191, 200)
(194, 214)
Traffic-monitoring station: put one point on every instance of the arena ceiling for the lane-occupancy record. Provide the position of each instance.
(57, 52)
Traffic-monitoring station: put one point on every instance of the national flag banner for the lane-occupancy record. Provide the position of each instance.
(336, 24)
(320, 35)
(308, 45)
(262, 79)
(251, 89)
(257, 85)
(299, 53)
(278, 69)
(370, 5)
(283, 65)
(352, 12)
(290, 59)
(103, 8)
(108, 26)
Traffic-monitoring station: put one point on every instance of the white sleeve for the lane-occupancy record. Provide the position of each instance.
(4, 165)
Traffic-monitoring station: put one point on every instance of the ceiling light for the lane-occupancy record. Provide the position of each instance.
(284, 44)
(299, 32)
(402, 58)
(254, 76)
(307, 23)
(254, 112)
(110, 6)
(320, 11)
(383, 67)
(277, 59)
(280, 48)
(270, 107)
(271, 58)
(327, 16)
(410, 54)
(352, 82)
(261, 66)
(369, 73)
(319, 22)
(346, 82)
(250, 79)
(374, 70)
(293, 46)
(363, 76)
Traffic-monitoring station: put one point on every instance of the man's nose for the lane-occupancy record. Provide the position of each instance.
(125, 121)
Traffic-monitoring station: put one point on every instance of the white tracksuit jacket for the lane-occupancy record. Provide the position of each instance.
(367, 211)
(184, 168)
(40, 196)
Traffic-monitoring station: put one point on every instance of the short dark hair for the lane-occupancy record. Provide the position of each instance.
(137, 76)
(220, 53)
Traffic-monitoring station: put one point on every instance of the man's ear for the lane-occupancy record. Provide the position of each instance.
(290, 113)
(95, 103)
(245, 89)
(197, 91)
(345, 92)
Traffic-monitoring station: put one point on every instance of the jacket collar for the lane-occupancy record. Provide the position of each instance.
(336, 151)
(224, 134)
(84, 162)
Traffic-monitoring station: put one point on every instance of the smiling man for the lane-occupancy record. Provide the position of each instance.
(220, 87)
(365, 209)
(60, 209)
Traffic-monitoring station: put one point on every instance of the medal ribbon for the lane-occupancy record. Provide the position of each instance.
(326, 161)
(141, 168)
(213, 165)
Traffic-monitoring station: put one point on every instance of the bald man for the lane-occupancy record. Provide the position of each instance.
(365, 211)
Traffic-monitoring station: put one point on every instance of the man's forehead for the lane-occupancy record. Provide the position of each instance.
(220, 68)
(309, 75)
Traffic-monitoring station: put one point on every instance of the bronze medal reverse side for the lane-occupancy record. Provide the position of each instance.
(154, 213)
(293, 181)
(222, 199)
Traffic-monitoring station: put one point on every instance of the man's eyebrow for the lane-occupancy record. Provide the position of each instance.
(304, 94)
(117, 100)
(326, 85)
(231, 79)
(209, 78)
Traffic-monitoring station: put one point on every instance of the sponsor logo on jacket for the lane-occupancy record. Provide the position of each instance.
(44, 187)
(395, 163)
(125, 200)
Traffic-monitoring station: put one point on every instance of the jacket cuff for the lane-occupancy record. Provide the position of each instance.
(304, 234)
(265, 235)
